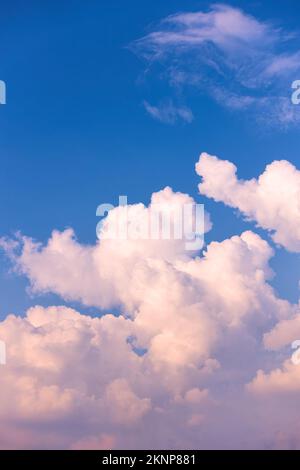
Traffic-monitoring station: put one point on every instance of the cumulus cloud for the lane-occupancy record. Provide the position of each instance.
(75, 368)
(281, 380)
(182, 356)
(272, 200)
(284, 333)
(284, 379)
(68, 370)
(242, 62)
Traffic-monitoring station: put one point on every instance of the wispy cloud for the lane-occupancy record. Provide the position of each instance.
(168, 113)
(240, 61)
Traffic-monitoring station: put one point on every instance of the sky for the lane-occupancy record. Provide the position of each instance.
(108, 98)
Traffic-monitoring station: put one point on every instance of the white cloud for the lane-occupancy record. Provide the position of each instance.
(242, 62)
(272, 200)
(227, 27)
(80, 369)
(205, 322)
(60, 366)
(124, 406)
(284, 380)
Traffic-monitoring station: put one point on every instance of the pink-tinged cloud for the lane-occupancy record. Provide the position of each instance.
(272, 200)
(197, 343)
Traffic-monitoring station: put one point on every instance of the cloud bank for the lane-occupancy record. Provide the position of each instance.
(201, 339)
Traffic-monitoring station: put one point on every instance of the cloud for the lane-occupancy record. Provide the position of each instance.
(284, 333)
(125, 407)
(82, 376)
(196, 343)
(244, 63)
(169, 113)
(67, 369)
(102, 442)
(61, 372)
(103, 270)
(284, 379)
(272, 200)
(226, 27)
(278, 381)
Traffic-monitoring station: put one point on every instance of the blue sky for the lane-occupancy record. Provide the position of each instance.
(75, 132)
(160, 348)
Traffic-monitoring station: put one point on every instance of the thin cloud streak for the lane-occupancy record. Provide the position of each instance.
(168, 113)
(241, 62)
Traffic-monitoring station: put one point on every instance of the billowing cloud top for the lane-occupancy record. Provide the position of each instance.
(197, 342)
(273, 200)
